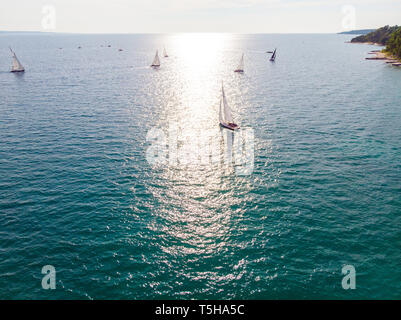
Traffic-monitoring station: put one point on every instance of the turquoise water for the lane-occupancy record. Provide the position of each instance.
(78, 193)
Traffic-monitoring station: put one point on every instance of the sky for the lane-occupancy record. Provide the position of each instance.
(165, 16)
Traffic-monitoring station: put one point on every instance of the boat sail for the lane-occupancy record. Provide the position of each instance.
(240, 67)
(17, 66)
(225, 116)
(273, 57)
(156, 60)
(165, 53)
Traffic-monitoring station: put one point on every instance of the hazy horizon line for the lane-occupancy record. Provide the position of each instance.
(175, 32)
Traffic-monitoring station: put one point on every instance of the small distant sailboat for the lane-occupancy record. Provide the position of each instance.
(165, 53)
(240, 67)
(156, 60)
(273, 57)
(17, 66)
(225, 117)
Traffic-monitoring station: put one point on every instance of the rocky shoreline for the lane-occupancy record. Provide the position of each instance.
(386, 57)
(380, 55)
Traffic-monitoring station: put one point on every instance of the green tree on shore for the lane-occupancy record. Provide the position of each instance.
(394, 43)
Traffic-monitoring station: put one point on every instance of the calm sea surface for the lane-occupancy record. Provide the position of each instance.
(77, 191)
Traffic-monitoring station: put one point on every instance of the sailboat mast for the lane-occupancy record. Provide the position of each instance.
(220, 113)
(274, 55)
(222, 104)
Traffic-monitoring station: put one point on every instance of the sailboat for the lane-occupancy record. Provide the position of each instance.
(156, 60)
(165, 53)
(273, 57)
(240, 67)
(17, 66)
(225, 117)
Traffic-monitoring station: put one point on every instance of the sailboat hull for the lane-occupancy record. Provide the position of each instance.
(239, 71)
(15, 71)
(229, 126)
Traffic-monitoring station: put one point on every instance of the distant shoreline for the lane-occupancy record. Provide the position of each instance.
(357, 32)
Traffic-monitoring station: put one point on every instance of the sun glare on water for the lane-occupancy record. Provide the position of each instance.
(199, 67)
(195, 188)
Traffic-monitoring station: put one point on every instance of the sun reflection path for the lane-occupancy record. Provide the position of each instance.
(199, 70)
(198, 207)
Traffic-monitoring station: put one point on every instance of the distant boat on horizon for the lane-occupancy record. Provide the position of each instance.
(273, 57)
(17, 66)
(240, 67)
(165, 53)
(156, 60)
(225, 117)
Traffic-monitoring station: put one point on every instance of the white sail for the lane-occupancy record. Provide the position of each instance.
(156, 60)
(17, 66)
(220, 113)
(240, 67)
(226, 108)
(165, 53)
